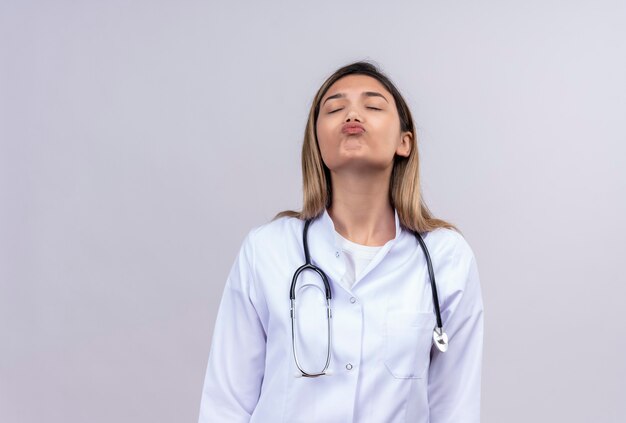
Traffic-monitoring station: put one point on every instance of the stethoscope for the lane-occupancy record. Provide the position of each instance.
(439, 336)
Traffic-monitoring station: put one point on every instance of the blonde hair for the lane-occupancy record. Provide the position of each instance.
(404, 190)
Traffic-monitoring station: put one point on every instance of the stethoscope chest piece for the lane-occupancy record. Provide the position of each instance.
(441, 339)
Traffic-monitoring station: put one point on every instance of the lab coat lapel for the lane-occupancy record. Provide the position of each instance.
(326, 249)
(383, 251)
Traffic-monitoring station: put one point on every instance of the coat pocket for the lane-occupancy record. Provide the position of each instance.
(408, 339)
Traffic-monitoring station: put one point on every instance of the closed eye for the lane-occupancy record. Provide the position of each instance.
(336, 110)
(373, 108)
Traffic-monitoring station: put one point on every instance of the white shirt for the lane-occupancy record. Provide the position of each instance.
(384, 365)
(357, 257)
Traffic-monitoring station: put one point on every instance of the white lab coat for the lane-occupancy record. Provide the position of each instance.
(384, 365)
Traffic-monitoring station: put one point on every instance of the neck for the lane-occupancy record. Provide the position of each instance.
(360, 208)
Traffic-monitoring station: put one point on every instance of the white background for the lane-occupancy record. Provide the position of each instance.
(140, 141)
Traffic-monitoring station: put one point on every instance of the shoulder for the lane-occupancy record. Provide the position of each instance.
(274, 231)
(448, 241)
(265, 240)
(449, 246)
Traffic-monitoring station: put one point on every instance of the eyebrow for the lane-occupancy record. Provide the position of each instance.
(363, 94)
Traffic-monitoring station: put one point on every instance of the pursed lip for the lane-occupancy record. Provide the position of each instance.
(352, 128)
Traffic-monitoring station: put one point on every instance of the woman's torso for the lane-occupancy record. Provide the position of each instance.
(381, 326)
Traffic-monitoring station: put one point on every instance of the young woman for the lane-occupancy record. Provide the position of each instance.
(384, 322)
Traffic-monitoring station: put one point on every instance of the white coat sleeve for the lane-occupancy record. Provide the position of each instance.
(235, 368)
(454, 381)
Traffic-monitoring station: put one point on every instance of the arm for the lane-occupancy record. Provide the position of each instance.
(455, 376)
(236, 363)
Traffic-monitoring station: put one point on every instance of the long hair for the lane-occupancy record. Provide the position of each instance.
(404, 188)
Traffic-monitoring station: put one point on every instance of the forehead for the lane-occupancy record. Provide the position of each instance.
(355, 85)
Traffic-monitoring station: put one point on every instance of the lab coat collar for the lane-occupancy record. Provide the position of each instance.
(331, 237)
(329, 227)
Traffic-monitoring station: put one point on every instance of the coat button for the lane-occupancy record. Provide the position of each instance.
(349, 366)
(336, 253)
(352, 300)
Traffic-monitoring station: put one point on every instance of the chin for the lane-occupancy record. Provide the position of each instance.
(358, 166)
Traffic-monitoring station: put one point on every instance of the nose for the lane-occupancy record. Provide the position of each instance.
(352, 115)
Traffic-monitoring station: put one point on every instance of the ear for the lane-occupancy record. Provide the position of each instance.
(404, 148)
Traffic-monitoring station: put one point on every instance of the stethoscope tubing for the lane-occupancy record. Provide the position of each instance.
(431, 275)
(439, 335)
(308, 266)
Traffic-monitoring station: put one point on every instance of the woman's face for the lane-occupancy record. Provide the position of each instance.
(358, 127)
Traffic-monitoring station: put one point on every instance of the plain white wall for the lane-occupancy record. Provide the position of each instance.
(140, 141)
